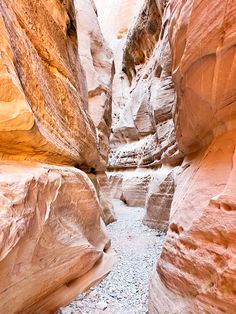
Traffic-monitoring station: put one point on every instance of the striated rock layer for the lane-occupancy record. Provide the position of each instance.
(143, 136)
(97, 62)
(43, 100)
(197, 269)
(52, 239)
(50, 235)
(96, 59)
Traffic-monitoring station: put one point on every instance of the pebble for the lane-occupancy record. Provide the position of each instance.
(102, 305)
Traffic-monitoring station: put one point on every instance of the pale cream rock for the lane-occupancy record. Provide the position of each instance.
(143, 134)
(159, 199)
(97, 61)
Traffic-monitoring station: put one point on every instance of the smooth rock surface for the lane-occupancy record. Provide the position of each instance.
(51, 234)
(203, 37)
(97, 62)
(53, 243)
(196, 272)
(143, 131)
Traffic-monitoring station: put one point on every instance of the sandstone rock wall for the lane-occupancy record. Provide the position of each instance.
(115, 18)
(196, 272)
(97, 62)
(43, 100)
(52, 239)
(143, 135)
(50, 235)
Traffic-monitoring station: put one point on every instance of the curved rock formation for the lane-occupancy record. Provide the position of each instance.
(196, 272)
(52, 239)
(50, 235)
(97, 62)
(143, 135)
(43, 99)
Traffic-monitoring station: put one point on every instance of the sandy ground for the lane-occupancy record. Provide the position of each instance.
(125, 289)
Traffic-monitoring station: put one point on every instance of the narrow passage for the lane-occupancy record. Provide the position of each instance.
(125, 289)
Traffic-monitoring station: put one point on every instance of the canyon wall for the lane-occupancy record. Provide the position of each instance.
(143, 151)
(197, 269)
(53, 243)
(97, 60)
(173, 133)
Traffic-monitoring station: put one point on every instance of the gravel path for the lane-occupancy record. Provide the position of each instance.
(125, 289)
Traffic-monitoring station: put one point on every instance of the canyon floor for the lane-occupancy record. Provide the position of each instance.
(125, 289)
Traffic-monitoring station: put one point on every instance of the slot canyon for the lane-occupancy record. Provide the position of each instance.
(118, 152)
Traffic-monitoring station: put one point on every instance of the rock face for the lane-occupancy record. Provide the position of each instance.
(97, 61)
(52, 239)
(197, 269)
(159, 199)
(143, 135)
(50, 234)
(39, 54)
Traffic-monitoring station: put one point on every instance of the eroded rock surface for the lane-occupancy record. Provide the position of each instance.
(96, 59)
(43, 98)
(159, 199)
(97, 62)
(196, 272)
(53, 244)
(143, 134)
(50, 235)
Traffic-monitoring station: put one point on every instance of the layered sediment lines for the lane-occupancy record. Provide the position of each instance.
(197, 269)
(53, 242)
(143, 143)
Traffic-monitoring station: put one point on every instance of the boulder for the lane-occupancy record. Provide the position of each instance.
(159, 199)
(51, 234)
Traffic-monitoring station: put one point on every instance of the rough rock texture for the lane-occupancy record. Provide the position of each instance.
(43, 99)
(159, 199)
(143, 135)
(130, 187)
(52, 242)
(97, 62)
(197, 269)
(96, 59)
